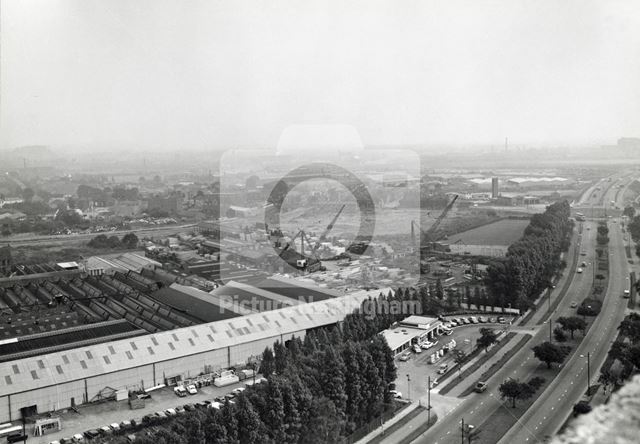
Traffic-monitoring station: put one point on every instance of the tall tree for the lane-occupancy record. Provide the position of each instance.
(572, 324)
(550, 353)
(512, 389)
(268, 364)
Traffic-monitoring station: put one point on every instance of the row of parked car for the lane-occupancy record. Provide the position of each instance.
(94, 433)
(454, 322)
(217, 403)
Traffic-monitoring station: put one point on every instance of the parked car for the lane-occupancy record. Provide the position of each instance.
(574, 304)
(396, 394)
(192, 389)
(482, 319)
(131, 437)
(126, 424)
(473, 319)
(501, 320)
(443, 368)
(238, 390)
(427, 345)
(171, 412)
(480, 387)
(180, 410)
(180, 391)
(105, 430)
(189, 407)
(215, 405)
(626, 294)
(160, 414)
(405, 357)
(453, 322)
(90, 434)
(115, 427)
(78, 437)
(416, 348)
(448, 332)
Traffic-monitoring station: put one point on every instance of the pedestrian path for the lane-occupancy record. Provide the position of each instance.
(389, 423)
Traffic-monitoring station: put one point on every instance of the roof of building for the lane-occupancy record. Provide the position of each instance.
(84, 362)
(398, 336)
(133, 261)
(421, 321)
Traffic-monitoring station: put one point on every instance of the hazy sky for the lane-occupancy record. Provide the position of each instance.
(193, 74)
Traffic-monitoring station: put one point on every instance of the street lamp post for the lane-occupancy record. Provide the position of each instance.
(588, 372)
(428, 400)
(408, 387)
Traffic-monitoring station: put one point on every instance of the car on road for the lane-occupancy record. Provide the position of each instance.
(480, 387)
(396, 394)
(579, 270)
(405, 357)
(574, 304)
(192, 389)
(626, 294)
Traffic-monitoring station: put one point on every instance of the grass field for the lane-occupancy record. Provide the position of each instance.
(502, 232)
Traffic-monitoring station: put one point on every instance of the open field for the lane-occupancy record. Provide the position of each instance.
(502, 232)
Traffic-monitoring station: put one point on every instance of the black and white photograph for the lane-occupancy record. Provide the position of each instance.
(320, 221)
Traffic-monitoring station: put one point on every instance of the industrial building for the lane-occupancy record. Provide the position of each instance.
(54, 379)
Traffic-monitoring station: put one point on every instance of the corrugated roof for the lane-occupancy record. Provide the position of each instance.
(89, 361)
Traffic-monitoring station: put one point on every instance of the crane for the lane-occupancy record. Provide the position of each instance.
(429, 235)
(323, 236)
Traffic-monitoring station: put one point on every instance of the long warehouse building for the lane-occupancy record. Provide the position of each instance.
(66, 378)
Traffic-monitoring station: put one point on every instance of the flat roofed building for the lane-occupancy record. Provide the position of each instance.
(412, 330)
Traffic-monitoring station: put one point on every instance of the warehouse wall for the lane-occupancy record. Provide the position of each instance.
(59, 397)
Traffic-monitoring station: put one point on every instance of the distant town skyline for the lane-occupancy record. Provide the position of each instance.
(165, 75)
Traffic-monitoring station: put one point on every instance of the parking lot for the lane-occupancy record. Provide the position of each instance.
(95, 416)
(418, 367)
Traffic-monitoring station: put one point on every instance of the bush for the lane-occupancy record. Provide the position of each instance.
(559, 335)
(581, 408)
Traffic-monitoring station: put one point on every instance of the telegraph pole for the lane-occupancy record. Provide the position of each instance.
(428, 400)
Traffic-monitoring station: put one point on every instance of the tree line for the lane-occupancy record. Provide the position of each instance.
(532, 261)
